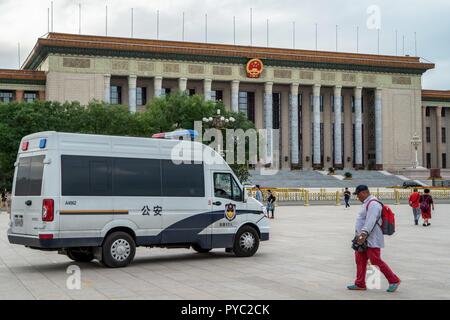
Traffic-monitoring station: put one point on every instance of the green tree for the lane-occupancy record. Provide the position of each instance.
(163, 114)
(180, 111)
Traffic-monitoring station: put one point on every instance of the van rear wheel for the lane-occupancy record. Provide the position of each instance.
(246, 242)
(79, 255)
(199, 249)
(119, 249)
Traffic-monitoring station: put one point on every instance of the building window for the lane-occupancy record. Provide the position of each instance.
(141, 96)
(444, 161)
(6, 96)
(427, 111)
(443, 112)
(217, 95)
(362, 104)
(191, 92)
(247, 104)
(428, 156)
(444, 135)
(276, 108)
(332, 103)
(29, 96)
(353, 104)
(165, 91)
(116, 95)
(428, 134)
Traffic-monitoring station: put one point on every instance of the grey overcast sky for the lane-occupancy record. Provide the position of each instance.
(25, 20)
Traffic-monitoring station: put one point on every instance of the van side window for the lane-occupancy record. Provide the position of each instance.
(85, 176)
(182, 180)
(29, 176)
(226, 187)
(130, 177)
(136, 177)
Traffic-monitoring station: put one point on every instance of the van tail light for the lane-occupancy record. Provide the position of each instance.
(48, 206)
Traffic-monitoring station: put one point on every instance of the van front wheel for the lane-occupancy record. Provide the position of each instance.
(80, 255)
(119, 249)
(246, 242)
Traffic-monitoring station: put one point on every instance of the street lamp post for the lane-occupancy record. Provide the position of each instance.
(218, 122)
(415, 142)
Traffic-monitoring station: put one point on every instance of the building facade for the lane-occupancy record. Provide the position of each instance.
(339, 110)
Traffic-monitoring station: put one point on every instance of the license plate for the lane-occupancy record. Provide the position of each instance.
(18, 221)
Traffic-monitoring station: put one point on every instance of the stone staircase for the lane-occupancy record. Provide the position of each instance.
(315, 179)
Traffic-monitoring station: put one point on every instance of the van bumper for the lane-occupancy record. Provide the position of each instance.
(56, 243)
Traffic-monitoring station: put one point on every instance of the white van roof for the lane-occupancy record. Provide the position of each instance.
(105, 145)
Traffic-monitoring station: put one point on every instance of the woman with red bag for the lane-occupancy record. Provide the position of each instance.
(426, 205)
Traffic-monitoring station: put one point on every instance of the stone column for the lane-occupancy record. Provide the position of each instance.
(132, 79)
(316, 128)
(338, 127)
(235, 95)
(107, 88)
(358, 128)
(268, 120)
(378, 131)
(19, 95)
(439, 136)
(294, 124)
(424, 137)
(157, 84)
(207, 89)
(182, 84)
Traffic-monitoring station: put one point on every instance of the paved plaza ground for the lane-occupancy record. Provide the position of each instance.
(308, 257)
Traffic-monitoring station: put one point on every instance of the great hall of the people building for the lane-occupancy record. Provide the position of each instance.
(342, 110)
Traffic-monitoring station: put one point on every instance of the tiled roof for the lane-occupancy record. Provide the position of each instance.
(22, 76)
(436, 95)
(186, 49)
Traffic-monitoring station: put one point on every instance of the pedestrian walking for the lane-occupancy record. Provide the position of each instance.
(271, 204)
(414, 203)
(4, 198)
(259, 194)
(347, 195)
(369, 240)
(426, 205)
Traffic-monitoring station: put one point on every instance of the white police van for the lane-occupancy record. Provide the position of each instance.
(100, 197)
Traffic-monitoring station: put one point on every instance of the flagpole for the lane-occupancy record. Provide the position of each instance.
(234, 30)
(79, 18)
(106, 20)
(132, 22)
(157, 24)
(251, 26)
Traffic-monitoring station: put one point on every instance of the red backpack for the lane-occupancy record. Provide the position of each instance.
(387, 217)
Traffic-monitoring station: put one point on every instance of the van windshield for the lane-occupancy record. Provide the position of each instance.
(29, 176)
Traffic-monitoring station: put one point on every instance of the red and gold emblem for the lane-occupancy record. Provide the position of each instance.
(254, 68)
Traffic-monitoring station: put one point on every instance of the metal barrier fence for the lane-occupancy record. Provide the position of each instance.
(305, 195)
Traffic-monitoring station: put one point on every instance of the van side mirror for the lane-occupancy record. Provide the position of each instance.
(245, 194)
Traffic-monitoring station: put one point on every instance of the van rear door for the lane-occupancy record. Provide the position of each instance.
(26, 204)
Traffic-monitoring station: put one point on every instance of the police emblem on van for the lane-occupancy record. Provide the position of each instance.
(230, 211)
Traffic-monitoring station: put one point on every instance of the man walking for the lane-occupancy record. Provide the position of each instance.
(368, 230)
(259, 194)
(414, 203)
(347, 195)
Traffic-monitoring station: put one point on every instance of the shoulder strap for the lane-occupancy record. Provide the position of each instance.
(367, 208)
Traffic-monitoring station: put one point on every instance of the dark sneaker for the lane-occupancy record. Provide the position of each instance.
(355, 287)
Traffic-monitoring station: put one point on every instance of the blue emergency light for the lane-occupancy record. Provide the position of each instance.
(42, 143)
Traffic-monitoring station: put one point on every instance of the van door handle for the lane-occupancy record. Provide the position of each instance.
(28, 202)
(217, 203)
